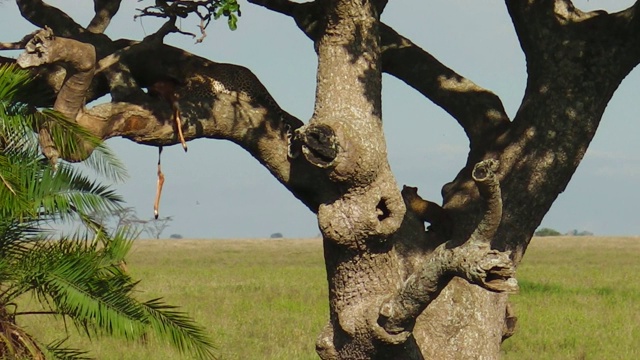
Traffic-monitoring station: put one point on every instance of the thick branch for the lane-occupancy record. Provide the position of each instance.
(78, 58)
(635, 13)
(41, 15)
(79, 61)
(225, 115)
(105, 10)
(5, 60)
(221, 101)
(473, 261)
(285, 7)
(484, 174)
(380, 5)
(18, 44)
(542, 23)
(479, 111)
(167, 28)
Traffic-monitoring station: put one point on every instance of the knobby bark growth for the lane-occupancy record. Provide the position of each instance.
(396, 290)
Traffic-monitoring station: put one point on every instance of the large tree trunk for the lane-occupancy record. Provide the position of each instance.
(575, 61)
(396, 291)
(374, 296)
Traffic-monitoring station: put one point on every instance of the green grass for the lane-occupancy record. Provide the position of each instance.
(260, 299)
(579, 299)
(267, 299)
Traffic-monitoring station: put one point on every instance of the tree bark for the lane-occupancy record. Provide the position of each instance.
(396, 291)
(575, 61)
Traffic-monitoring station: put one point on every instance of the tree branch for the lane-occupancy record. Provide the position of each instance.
(380, 5)
(20, 313)
(473, 261)
(540, 23)
(479, 111)
(484, 174)
(78, 58)
(635, 11)
(167, 28)
(221, 101)
(105, 10)
(41, 15)
(285, 7)
(5, 60)
(205, 10)
(18, 44)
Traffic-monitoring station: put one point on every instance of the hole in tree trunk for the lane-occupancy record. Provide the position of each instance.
(320, 145)
(382, 210)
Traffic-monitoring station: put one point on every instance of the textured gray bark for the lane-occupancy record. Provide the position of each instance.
(395, 291)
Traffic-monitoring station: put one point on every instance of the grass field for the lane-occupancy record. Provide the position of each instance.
(579, 299)
(267, 299)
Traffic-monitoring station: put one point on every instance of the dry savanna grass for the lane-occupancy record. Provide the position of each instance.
(267, 299)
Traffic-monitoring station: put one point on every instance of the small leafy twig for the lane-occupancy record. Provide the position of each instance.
(205, 10)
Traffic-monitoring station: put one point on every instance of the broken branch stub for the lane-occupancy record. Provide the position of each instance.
(484, 174)
(79, 60)
(474, 261)
(37, 49)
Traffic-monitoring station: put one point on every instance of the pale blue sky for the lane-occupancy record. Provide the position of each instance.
(218, 190)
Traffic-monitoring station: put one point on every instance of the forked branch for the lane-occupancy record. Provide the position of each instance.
(474, 261)
(479, 111)
(221, 101)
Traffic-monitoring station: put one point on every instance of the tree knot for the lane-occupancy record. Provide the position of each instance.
(492, 269)
(319, 144)
(386, 331)
(40, 40)
(485, 170)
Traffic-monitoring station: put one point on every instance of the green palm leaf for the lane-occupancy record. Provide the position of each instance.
(179, 329)
(69, 137)
(99, 297)
(56, 350)
(20, 122)
(65, 191)
(78, 277)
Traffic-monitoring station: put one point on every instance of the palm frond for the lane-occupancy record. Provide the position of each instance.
(6, 275)
(65, 191)
(106, 164)
(15, 114)
(70, 138)
(179, 329)
(78, 290)
(18, 173)
(15, 236)
(79, 277)
(56, 350)
(115, 248)
(12, 81)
